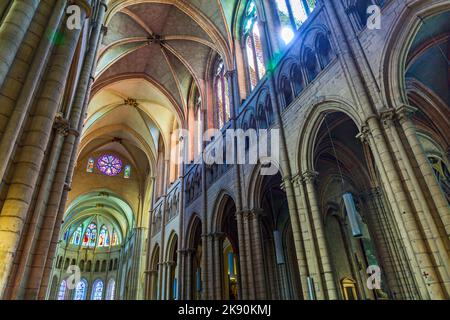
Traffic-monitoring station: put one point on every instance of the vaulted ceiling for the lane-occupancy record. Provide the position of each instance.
(154, 52)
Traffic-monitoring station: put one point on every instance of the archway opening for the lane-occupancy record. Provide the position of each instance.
(350, 208)
(280, 261)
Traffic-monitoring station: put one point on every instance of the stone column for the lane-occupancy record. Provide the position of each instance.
(189, 289)
(403, 214)
(165, 284)
(420, 262)
(182, 274)
(218, 264)
(300, 227)
(326, 269)
(249, 255)
(21, 108)
(32, 153)
(160, 284)
(211, 259)
(65, 146)
(404, 114)
(257, 256)
(436, 237)
(242, 256)
(153, 285)
(12, 32)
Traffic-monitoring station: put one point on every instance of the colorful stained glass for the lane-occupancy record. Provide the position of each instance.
(127, 172)
(62, 290)
(103, 240)
(76, 237)
(80, 290)
(90, 165)
(90, 236)
(109, 165)
(97, 290)
(114, 239)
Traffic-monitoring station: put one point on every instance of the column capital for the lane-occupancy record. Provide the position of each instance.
(310, 176)
(388, 118)
(244, 213)
(296, 179)
(219, 235)
(257, 212)
(61, 125)
(405, 112)
(104, 30)
(363, 136)
(229, 73)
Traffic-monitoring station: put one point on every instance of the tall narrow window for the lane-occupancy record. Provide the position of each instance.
(114, 238)
(253, 46)
(292, 14)
(103, 238)
(90, 236)
(90, 165)
(76, 237)
(222, 94)
(80, 290)
(62, 290)
(110, 291)
(97, 290)
(198, 120)
(127, 172)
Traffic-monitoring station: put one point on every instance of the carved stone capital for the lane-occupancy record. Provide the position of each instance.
(310, 176)
(388, 118)
(229, 74)
(405, 112)
(296, 179)
(61, 125)
(363, 136)
(219, 236)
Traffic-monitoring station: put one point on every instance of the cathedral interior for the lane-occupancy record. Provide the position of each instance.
(109, 108)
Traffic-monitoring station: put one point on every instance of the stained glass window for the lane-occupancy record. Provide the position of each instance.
(110, 292)
(62, 290)
(80, 290)
(127, 172)
(90, 236)
(97, 290)
(222, 95)
(109, 165)
(76, 237)
(292, 14)
(114, 238)
(90, 165)
(103, 238)
(66, 235)
(253, 46)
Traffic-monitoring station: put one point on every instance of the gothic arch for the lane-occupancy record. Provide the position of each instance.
(218, 209)
(395, 52)
(313, 120)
